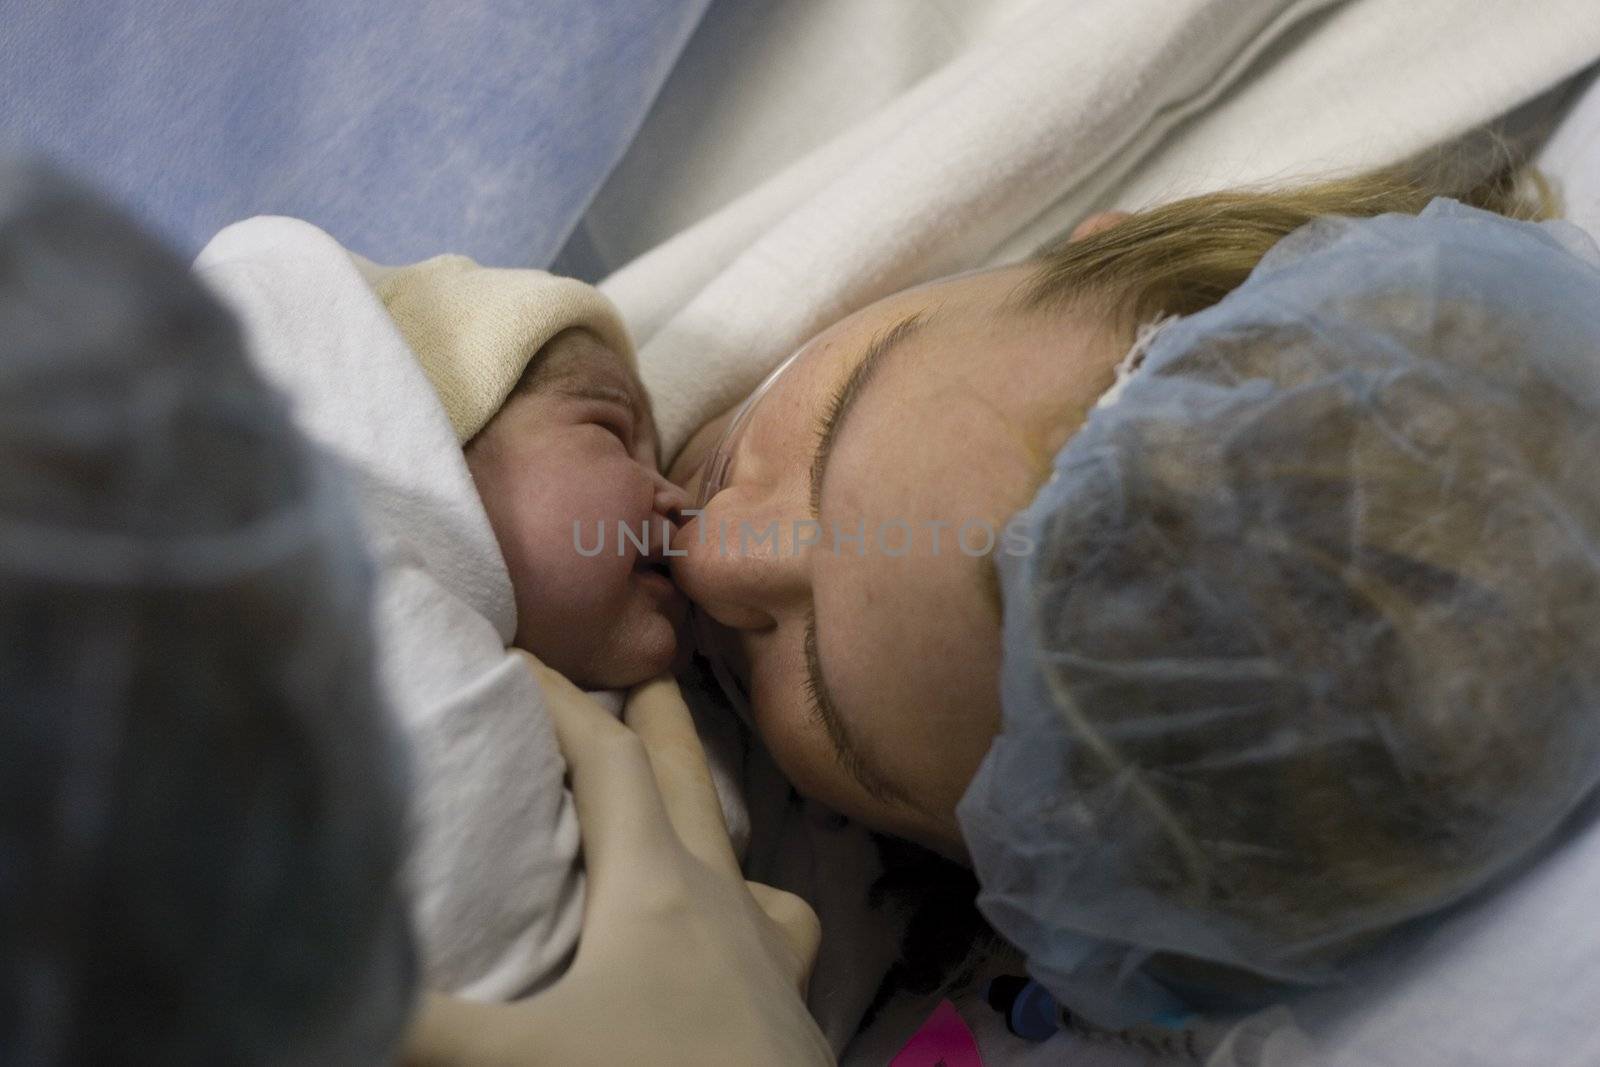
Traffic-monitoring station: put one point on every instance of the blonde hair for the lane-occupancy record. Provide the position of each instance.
(1183, 257)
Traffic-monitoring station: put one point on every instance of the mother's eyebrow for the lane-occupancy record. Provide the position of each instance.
(843, 400)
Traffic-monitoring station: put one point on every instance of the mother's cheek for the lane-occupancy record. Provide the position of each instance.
(685, 466)
(798, 743)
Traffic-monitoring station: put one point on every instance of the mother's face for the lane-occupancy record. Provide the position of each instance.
(872, 664)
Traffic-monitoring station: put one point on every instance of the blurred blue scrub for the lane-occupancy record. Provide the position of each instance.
(404, 128)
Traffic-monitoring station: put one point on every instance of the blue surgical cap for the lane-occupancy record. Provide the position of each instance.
(1307, 645)
(202, 794)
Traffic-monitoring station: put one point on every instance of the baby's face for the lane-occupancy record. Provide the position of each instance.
(561, 465)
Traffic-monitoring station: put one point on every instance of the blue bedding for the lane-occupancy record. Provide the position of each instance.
(404, 128)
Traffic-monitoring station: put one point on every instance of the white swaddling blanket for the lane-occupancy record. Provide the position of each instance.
(493, 868)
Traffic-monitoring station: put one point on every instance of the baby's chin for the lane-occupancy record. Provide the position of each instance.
(642, 640)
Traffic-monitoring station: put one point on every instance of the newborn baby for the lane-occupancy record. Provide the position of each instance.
(538, 377)
(495, 431)
(567, 470)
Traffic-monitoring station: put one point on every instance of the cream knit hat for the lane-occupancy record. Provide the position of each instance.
(474, 328)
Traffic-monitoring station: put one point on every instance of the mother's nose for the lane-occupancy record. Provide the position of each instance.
(744, 566)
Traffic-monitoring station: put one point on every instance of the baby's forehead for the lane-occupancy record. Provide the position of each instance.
(577, 357)
(576, 363)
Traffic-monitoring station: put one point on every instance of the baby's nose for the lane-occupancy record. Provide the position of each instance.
(666, 514)
(670, 499)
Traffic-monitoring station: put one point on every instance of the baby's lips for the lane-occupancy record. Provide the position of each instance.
(661, 531)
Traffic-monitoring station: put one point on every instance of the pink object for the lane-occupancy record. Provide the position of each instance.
(943, 1041)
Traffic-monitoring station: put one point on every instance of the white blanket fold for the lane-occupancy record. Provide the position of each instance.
(1063, 109)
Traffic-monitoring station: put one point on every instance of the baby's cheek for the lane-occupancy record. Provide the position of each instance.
(577, 489)
(559, 522)
(566, 537)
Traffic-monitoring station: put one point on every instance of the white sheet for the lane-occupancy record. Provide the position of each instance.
(1038, 118)
(1572, 159)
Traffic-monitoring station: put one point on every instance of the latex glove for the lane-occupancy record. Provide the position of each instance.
(681, 961)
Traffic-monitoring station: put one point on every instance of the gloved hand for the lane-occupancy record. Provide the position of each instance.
(681, 961)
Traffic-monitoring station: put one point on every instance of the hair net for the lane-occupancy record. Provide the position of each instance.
(1308, 644)
(200, 797)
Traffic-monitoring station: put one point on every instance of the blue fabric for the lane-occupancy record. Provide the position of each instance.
(1305, 644)
(404, 128)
